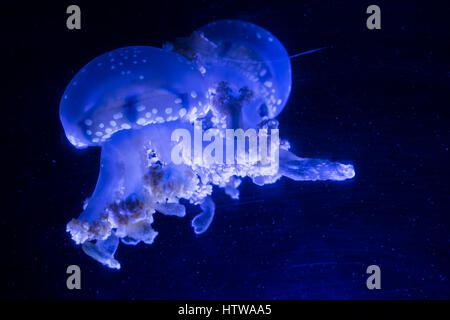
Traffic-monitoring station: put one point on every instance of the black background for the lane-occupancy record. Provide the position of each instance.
(377, 98)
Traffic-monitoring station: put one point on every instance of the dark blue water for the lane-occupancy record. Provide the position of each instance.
(378, 99)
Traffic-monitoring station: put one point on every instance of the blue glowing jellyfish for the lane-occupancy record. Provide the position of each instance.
(142, 105)
(239, 58)
(106, 104)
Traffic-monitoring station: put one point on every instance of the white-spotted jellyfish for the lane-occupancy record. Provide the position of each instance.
(130, 101)
(239, 59)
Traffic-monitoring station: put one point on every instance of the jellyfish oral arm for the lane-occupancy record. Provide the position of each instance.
(122, 169)
(136, 179)
(308, 169)
(201, 222)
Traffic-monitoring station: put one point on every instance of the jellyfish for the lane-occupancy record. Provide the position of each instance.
(141, 104)
(127, 102)
(241, 62)
(248, 72)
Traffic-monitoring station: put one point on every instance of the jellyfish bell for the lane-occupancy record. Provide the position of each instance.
(259, 61)
(246, 61)
(129, 88)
